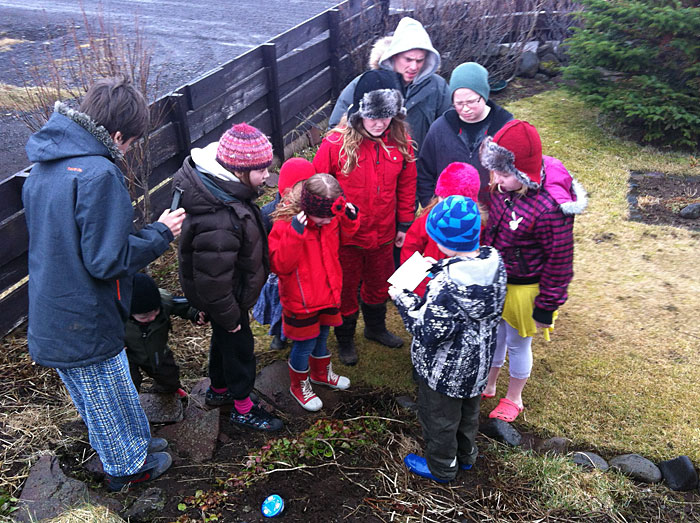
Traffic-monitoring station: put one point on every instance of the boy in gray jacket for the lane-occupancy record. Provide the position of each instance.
(454, 337)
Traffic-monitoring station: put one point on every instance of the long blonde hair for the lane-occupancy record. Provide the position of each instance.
(352, 136)
(320, 184)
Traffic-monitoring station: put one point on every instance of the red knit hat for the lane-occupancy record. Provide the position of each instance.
(294, 171)
(460, 179)
(515, 149)
(244, 148)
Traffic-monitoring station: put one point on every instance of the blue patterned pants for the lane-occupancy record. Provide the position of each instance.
(107, 401)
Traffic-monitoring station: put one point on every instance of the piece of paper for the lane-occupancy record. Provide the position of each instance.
(409, 275)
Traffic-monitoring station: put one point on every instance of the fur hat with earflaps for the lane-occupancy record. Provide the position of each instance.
(376, 95)
(515, 149)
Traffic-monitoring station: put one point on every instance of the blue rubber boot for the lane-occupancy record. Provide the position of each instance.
(419, 466)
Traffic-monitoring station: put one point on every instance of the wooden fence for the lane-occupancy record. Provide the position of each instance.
(283, 87)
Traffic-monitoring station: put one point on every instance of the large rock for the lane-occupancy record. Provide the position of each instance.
(161, 408)
(679, 473)
(48, 492)
(529, 64)
(590, 460)
(690, 212)
(502, 431)
(549, 64)
(273, 384)
(636, 467)
(198, 393)
(195, 437)
(556, 445)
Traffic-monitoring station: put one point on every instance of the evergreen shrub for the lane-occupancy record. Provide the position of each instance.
(639, 62)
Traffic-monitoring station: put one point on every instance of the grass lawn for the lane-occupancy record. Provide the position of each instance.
(619, 374)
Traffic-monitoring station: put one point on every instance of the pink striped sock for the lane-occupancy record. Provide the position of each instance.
(243, 406)
(219, 391)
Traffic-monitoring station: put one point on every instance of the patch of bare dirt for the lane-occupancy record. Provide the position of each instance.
(657, 198)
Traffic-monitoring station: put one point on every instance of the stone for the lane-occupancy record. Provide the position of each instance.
(562, 51)
(549, 64)
(161, 408)
(147, 504)
(590, 461)
(690, 212)
(556, 445)
(531, 46)
(195, 437)
(637, 467)
(48, 492)
(679, 473)
(94, 466)
(541, 77)
(529, 64)
(273, 384)
(543, 49)
(502, 431)
(407, 403)
(198, 393)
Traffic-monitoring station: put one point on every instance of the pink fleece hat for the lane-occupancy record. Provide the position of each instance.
(293, 171)
(459, 179)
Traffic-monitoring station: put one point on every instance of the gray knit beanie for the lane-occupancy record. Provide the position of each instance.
(471, 75)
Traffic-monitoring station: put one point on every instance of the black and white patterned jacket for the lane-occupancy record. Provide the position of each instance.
(454, 326)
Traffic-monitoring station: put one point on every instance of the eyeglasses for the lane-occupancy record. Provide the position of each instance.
(467, 103)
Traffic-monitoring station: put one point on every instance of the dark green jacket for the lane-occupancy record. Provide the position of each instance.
(146, 345)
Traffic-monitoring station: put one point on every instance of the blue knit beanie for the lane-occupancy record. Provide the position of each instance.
(471, 75)
(455, 223)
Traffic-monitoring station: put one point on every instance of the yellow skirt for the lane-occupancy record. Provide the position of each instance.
(517, 311)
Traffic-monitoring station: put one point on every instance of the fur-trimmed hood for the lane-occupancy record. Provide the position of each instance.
(409, 34)
(563, 187)
(70, 133)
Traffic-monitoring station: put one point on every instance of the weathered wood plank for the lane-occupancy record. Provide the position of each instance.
(15, 238)
(295, 65)
(14, 310)
(222, 109)
(13, 271)
(314, 87)
(300, 34)
(11, 194)
(216, 82)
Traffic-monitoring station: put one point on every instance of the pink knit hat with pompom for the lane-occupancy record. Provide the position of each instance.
(459, 179)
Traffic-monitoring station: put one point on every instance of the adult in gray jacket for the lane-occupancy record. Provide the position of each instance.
(409, 53)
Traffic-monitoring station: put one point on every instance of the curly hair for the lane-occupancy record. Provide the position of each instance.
(352, 136)
(320, 184)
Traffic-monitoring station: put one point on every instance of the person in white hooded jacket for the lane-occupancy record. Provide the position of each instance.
(410, 54)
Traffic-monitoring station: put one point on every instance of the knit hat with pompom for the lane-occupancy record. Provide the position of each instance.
(244, 148)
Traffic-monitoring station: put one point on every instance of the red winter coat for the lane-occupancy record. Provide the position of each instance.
(382, 186)
(308, 266)
(417, 240)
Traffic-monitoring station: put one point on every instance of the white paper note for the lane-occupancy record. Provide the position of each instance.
(409, 275)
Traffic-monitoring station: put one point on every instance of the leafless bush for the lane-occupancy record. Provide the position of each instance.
(476, 30)
(93, 50)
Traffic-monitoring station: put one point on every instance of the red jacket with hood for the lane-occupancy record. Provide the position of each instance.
(307, 263)
(382, 186)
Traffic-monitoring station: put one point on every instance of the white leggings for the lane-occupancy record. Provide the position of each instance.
(519, 351)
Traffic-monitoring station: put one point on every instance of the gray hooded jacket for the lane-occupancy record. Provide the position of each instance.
(426, 98)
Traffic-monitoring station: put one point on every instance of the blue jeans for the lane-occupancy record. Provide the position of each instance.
(301, 350)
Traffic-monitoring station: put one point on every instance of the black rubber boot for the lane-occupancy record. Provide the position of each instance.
(375, 326)
(345, 334)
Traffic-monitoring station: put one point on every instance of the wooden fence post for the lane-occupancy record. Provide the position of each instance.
(273, 98)
(178, 108)
(334, 44)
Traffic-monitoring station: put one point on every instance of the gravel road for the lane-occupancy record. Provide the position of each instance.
(189, 37)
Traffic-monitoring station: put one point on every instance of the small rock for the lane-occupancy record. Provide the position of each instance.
(590, 460)
(161, 408)
(502, 431)
(529, 64)
(407, 403)
(541, 77)
(545, 48)
(152, 500)
(562, 51)
(549, 64)
(556, 445)
(198, 393)
(48, 492)
(690, 212)
(94, 466)
(679, 473)
(637, 467)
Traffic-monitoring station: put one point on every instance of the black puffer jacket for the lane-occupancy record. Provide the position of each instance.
(223, 246)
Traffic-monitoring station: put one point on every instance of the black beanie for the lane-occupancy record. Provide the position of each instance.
(145, 296)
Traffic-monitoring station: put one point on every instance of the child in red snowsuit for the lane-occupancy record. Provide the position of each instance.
(310, 224)
(370, 154)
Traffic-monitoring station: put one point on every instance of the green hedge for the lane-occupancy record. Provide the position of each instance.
(639, 62)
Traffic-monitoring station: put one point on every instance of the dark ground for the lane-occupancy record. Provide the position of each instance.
(656, 198)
